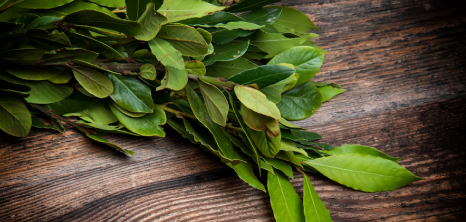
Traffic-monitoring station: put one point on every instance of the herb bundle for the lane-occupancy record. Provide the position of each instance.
(227, 75)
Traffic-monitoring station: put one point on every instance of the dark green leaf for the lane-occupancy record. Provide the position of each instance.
(95, 18)
(229, 68)
(249, 5)
(286, 203)
(207, 36)
(151, 22)
(15, 116)
(4, 84)
(148, 71)
(307, 61)
(262, 76)
(314, 208)
(24, 19)
(176, 10)
(33, 72)
(37, 123)
(47, 4)
(102, 140)
(135, 8)
(68, 54)
(309, 136)
(217, 17)
(195, 67)
(263, 16)
(185, 39)
(110, 3)
(215, 102)
(93, 81)
(72, 104)
(180, 128)
(222, 36)
(131, 93)
(94, 66)
(363, 150)
(99, 44)
(300, 102)
(23, 54)
(74, 6)
(260, 122)
(107, 33)
(98, 113)
(235, 25)
(227, 52)
(293, 21)
(147, 125)
(274, 44)
(281, 165)
(363, 172)
(10, 30)
(126, 112)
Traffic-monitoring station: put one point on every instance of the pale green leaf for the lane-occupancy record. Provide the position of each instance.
(175, 79)
(166, 53)
(363, 150)
(15, 118)
(33, 72)
(286, 203)
(93, 81)
(42, 4)
(215, 102)
(274, 92)
(260, 122)
(256, 101)
(176, 10)
(147, 125)
(314, 208)
(185, 39)
(151, 22)
(102, 140)
(328, 92)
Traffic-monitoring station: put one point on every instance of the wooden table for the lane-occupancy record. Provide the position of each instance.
(403, 63)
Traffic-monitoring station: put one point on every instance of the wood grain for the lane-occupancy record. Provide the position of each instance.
(402, 63)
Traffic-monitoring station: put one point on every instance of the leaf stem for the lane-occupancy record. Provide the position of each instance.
(53, 115)
(176, 112)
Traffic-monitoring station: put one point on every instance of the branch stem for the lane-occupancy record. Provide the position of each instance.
(63, 119)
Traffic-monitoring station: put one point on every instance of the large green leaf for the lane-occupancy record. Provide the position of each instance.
(74, 6)
(135, 8)
(309, 136)
(236, 25)
(166, 53)
(151, 22)
(263, 16)
(15, 118)
(260, 122)
(68, 54)
(222, 36)
(262, 76)
(104, 141)
(126, 112)
(176, 10)
(288, 145)
(131, 93)
(95, 18)
(201, 113)
(281, 165)
(229, 68)
(363, 150)
(300, 102)
(314, 208)
(185, 39)
(93, 81)
(274, 91)
(247, 5)
(215, 18)
(293, 21)
(42, 4)
(33, 72)
(269, 146)
(72, 104)
(147, 125)
(363, 172)
(144, 56)
(227, 52)
(328, 92)
(307, 61)
(98, 113)
(246, 173)
(175, 79)
(256, 101)
(110, 3)
(215, 102)
(274, 44)
(42, 92)
(286, 203)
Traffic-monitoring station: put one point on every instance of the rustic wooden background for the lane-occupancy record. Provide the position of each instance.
(403, 63)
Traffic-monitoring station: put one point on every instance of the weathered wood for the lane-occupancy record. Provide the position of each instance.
(402, 63)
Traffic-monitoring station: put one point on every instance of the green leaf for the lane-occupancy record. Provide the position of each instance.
(144, 56)
(151, 22)
(246, 173)
(74, 6)
(12, 12)
(263, 16)
(102, 140)
(10, 30)
(215, 18)
(72, 104)
(249, 5)
(93, 81)
(269, 146)
(281, 165)
(329, 92)
(289, 156)
(300, 102)
(307, 61)
(44, 22)
(256, 101)
(175, 79)
(135, 8)
(42, 92)
(222, 36)
(236, 25)
(91, 65)
(185, 39)
(131, 93)
(206, 35)
(148, 71)
(4, 84)
(107, 33)
(15, 116)
(363, 172)
(260, 122)
(262, 76)
(166, 53)
(5, 3)
(215, 102)
(180, 128)
(229, 68)
(56, 39)
(37, 4)
(99, 44)
(201, 113)
(176, 10)
(126, 112)
(309, 136)
(147, 125)
(95, 18)
(274, 44)
(287, 124)
(363, 150)
(286, 203)
(68, 54)
(111, 3)
(33, 72)
(23, 54)
(314, 208)
(37, 123)
(288, 145)
(227, 52)
(274, 92)
(98, 113)
(195, 67)
(293, 21)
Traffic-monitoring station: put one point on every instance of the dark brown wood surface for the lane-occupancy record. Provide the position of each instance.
(403, 63)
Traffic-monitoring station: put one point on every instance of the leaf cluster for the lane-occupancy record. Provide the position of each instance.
(227, 75)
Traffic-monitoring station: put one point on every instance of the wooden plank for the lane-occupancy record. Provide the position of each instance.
(403, 65)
